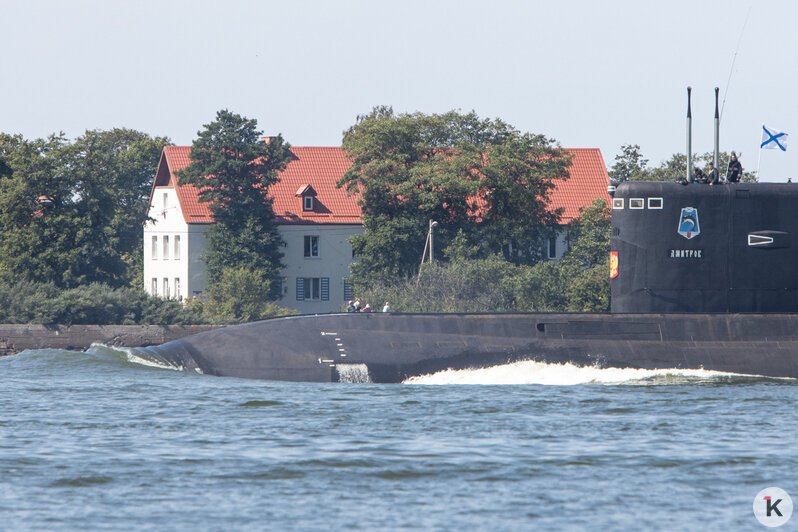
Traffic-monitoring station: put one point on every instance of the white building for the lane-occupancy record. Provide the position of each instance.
(315, 220)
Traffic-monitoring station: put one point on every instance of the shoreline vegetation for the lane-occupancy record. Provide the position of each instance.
(71, 213)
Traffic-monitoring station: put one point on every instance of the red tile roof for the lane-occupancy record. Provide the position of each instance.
(320, 168)
(588, 181)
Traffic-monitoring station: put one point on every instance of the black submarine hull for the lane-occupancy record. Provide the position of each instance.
(393, 347)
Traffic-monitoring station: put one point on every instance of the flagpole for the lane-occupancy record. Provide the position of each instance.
(758, 160)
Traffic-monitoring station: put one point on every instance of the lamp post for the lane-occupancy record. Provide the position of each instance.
(428, 244)
(431, 237)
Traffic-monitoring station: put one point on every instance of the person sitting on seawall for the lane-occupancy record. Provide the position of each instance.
(367, 308)
(387, 307)
(735, 170)
(713, 178)
(350, 307)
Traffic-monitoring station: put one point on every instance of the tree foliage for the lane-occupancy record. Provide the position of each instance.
(71, 212)
(579, 282)
(233, 170)
(98, 304)
(481, 179)
(241, 295)
(631, 166)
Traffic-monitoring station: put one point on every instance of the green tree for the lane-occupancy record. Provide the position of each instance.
(579, 281)
(240, 295)
(71, 211)
(629, 165)
(478, 178)
(586, 265)
(233, 170)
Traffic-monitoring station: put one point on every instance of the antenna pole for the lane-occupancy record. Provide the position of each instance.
(689, 136)
(717, 133)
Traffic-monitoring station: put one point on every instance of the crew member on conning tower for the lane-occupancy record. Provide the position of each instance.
(735, 170)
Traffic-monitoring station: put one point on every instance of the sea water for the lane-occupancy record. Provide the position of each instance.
(111, 439)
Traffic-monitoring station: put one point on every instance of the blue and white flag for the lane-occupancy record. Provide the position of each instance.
(773, 140)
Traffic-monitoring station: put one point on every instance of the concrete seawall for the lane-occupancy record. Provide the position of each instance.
(16, 338)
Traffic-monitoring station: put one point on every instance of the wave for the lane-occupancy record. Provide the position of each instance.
(141, 356)
(98, 356)
(531, 372)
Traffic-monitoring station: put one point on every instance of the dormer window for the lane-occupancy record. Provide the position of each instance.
(307, 196)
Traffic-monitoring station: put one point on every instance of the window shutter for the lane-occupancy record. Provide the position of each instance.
(325, 288)
(349, 291)
(300, 288)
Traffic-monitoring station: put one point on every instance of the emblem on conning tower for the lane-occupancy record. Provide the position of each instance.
(688, 223)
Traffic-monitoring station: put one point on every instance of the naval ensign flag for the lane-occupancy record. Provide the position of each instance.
(773, 140)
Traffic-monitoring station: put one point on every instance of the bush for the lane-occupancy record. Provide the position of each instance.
(241, 295)
(95, 304)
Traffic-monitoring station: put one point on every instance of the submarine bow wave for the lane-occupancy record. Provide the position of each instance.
(532, 372)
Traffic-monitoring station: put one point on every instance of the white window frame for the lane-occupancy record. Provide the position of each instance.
(166, 288)
(617, 204)
(177, 287)
(155, 247)
(307, 246)
(311, 284)
(307, 203)
(633, 201)
(165, 247)
(652, 202)
(177, 247)
(155, 286)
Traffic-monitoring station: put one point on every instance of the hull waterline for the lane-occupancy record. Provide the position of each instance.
(393, 347)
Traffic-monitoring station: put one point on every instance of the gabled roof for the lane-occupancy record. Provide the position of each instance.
(588, 182)
(305, 190)
(319, 168)
(314, 167)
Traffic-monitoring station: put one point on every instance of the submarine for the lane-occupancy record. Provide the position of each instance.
(701, 277)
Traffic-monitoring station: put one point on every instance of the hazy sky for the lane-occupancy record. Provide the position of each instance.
(587, 73)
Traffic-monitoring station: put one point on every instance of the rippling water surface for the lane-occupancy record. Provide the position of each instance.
(93, 440)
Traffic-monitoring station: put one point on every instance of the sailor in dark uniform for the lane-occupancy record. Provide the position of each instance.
(735, 170)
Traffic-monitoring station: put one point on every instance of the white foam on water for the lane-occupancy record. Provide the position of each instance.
(531, 372)
(141, 358)
(355, 373)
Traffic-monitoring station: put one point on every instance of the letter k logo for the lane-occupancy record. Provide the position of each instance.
(772, 506)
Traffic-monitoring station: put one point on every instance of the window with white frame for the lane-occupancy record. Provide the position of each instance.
(311, 246)
(177, 287)
(166, 288)
(636, 203)
(155, 247)
(617, 203)
(307, 203)
(165, 204)
(312, 288)
(166, 246)
(155, 286)
(177, 247)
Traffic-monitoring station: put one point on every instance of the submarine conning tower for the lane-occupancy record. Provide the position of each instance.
(701, 248)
